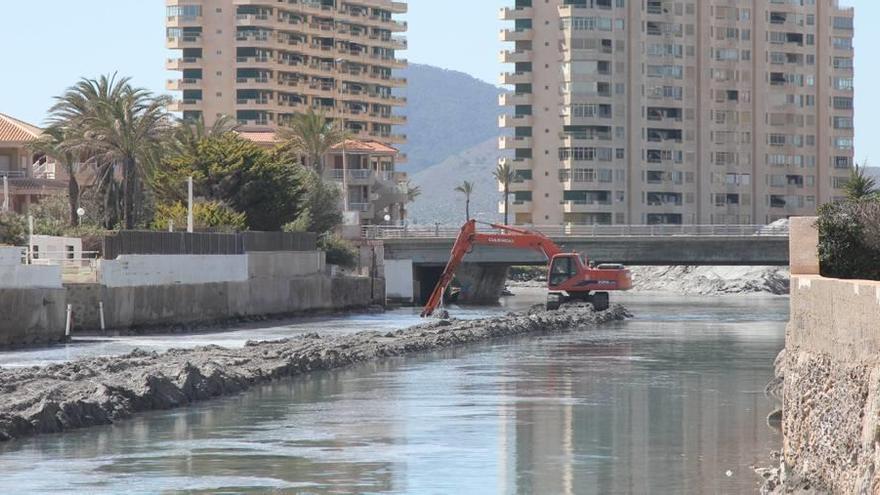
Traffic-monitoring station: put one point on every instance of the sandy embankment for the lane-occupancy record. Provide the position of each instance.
(105, 390)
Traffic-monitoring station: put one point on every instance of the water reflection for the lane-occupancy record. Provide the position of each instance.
(650, 406)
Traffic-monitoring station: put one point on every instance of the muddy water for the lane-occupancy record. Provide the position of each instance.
(670, 402)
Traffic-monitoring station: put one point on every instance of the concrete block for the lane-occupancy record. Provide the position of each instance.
(804, 246)
(32, 316)
(399, 280)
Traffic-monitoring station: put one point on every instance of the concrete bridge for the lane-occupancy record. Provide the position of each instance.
(426, 250)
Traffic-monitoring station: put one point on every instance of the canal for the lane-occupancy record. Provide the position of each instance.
(669, 402)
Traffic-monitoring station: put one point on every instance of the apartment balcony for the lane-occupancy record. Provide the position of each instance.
(510, 121)
(252, 20)
(514, 13)
(512, 143)
(518, 185)
(513, 57)
(253, 82)
(513, 78)
(517, 163)
(512, 99)
(516, 35)
(588, 206)
(181, 84)
(515, 206)
(182, 63)
(179, 21)
(257, 62)
(399, 8)
(184, 105)
(181, 42)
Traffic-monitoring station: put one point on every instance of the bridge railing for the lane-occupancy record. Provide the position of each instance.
(448, 232)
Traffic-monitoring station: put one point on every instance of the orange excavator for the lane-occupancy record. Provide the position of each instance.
(570, 277)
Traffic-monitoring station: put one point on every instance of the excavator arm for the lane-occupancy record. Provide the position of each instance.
(468, 237)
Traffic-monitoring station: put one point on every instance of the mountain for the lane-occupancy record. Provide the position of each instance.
(448, 112)
(439, 203)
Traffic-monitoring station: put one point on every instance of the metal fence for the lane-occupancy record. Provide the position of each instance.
(443, 232)
(203, 243)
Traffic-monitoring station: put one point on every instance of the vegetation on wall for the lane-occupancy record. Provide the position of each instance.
(849, 232)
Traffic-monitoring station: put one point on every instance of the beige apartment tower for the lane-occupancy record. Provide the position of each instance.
(263, 61)
(676, 112)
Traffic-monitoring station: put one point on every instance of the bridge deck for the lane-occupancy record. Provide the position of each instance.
(714, 250)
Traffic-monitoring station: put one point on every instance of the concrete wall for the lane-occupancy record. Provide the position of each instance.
(15, 275)
(281, 283)
(154, 270)
(56, 248)
(31, 316)
(831, 370)
(399, 280)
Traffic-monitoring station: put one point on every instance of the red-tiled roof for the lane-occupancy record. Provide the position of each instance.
(351, 145)
(15, 131)
(259, 137)
(355, 146)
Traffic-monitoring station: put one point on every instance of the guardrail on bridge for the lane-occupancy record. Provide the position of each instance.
(447, 232)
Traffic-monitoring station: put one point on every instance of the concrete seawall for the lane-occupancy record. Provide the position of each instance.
(32, 302)
(263, 284)
(161, 291)
(831, 378)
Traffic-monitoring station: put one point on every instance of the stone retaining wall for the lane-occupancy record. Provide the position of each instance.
(831, 375)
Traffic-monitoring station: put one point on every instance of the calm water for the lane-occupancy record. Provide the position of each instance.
(670, 402)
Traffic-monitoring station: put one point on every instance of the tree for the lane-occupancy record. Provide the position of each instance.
(466, 188)
(211, 216)
(234, 171)
(13, 229)
(312, 135)
(117, 124)
(187, 134)
(320, 211)
(860, 185)
(504, 174)
(55, 145)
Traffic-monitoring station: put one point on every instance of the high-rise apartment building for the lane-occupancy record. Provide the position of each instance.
(677, 112)
(263, 61)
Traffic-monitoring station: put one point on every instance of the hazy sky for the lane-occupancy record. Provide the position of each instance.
(51, 43)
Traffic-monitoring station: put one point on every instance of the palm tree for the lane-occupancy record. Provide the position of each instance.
(466, 188)
(312, 135)
(413, 192)
(117, 124)
(187, 134)
(860, 185)
(54, 144)
(504, 174)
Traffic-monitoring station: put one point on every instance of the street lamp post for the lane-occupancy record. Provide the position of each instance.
(341, 109)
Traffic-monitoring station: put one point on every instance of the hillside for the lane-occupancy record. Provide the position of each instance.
(448, 112)
(440, 203)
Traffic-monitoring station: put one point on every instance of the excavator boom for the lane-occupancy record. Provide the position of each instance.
(507, 237)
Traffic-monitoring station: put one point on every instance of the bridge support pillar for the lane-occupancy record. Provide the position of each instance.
(481, 283)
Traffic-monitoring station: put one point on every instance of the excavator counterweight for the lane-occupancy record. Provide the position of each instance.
(570, 276)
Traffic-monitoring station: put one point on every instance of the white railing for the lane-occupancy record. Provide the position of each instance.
(448, 232)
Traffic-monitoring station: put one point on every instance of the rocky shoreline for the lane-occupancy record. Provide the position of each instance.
(105, 390)
(691, 280)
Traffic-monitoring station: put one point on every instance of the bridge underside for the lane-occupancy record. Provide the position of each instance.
(659, 251)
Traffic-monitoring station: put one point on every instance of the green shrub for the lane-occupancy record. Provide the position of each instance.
(13, 229)
(849, 239)
(211, 216)
(339, 251)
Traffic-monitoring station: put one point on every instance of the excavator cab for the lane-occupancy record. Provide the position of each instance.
(563, 268)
